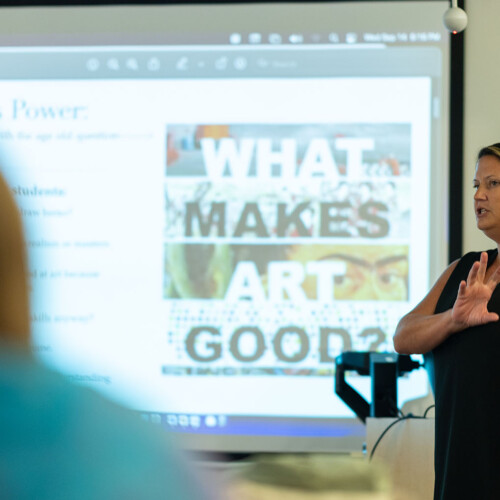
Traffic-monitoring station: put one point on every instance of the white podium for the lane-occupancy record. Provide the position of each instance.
(407, 451)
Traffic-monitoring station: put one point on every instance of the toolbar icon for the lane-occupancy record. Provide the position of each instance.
(240, 63)
(153, 64)
(113, 64)
(210, 421)
(254, 38)
(93, 64)
(274, 38)
(194, 420)
(172, 420)
(182, 64)
(296, 38)
(221, 63)
(132, 64)
(235, 38)
(351, 37)
(334, 38)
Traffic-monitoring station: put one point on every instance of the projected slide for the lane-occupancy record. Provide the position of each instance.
(286, 244)
(202, 244)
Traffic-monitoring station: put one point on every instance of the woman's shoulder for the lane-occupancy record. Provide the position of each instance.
(459, 269)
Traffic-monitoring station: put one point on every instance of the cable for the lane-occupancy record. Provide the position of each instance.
(400, 419)
(430, 408)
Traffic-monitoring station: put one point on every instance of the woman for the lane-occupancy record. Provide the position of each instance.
(456, 326)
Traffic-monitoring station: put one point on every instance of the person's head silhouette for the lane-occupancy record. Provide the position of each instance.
(14, 296)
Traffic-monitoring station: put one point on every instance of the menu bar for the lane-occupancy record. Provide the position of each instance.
(220, 63)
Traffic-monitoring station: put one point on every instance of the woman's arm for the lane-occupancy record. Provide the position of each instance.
(421, 330)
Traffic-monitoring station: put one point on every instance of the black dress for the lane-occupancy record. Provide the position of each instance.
(466, 369)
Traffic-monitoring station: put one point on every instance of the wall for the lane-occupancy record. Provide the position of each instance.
(482, 102)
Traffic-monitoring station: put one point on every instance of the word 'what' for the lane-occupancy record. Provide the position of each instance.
(228, 157)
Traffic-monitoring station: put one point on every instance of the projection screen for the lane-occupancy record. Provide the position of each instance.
(220, 199)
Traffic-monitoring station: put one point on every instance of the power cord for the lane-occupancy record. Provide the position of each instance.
(392, 424)
(430, 408)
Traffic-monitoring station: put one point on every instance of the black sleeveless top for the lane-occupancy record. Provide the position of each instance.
(465, 370)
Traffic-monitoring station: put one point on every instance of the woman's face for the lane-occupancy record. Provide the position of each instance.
(487, 196)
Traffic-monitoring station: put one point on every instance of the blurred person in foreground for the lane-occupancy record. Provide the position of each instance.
(60, 441)
(456, 327)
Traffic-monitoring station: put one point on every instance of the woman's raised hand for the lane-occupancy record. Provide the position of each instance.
(471, 305)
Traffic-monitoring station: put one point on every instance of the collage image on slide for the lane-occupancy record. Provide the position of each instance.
(316, 209)
(284, 244)
(313, 148)
(359, 272)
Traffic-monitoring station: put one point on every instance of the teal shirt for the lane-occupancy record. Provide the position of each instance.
(61, 441)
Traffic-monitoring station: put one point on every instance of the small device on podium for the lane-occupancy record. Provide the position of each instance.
(384, 368)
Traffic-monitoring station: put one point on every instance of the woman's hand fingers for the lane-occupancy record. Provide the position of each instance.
(462, 289)
(471, 306)
(471, 278)
(483, 264)
(490, 317)
(478, 270)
